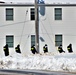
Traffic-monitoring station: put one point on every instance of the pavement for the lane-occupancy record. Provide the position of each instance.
(32, 72)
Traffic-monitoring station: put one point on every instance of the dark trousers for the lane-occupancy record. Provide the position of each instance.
(6, 53)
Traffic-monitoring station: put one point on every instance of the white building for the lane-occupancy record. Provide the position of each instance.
(57, 25)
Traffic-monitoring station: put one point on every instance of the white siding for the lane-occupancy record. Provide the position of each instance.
(47, 25)
(66, 26)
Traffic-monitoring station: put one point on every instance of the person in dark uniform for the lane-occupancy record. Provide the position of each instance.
(69, 48)
(60, 49)
(6, 50)
(17, 49)
(45, 48)
(33, 49)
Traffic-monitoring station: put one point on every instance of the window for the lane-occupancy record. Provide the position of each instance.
(58, 40)
(32, 40)
(9, 13)
(32, 12)
(58, 13)
(10, 40)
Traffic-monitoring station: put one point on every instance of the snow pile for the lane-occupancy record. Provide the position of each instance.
(57, 62)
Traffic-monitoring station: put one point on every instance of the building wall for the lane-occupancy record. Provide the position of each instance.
(66, 26)
(21, 27)
(47, 24)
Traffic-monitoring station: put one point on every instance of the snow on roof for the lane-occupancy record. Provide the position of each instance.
(45, 1)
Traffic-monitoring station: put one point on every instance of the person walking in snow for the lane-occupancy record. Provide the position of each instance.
(33, 49)
(45, 48)
(17, 49)
(60, 49)
(69, 48)
(6, 50)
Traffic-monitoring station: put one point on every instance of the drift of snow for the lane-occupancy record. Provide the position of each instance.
(53, 62)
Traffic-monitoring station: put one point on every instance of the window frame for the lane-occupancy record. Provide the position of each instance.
(10, 43)
(32, 41)
(58, 13)
(59, 41)
(32, 14)
(10, 16)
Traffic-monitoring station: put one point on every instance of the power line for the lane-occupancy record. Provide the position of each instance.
(23, 26)
(13, 23)
(45, 29)
(48, 34)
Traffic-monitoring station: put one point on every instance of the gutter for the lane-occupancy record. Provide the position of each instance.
(48, 5)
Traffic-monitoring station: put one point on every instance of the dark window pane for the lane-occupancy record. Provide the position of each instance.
(58, 13)
(9, 17)
(32, 17)
(32, 14)
(32, 40)
(10, 41)
(58, 40)
(9, 14)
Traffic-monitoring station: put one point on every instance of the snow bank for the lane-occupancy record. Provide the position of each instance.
(57, 62)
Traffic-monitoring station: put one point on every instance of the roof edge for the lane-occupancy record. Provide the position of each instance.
(4, 4)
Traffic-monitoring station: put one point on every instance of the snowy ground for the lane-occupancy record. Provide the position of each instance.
(53, 62)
